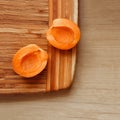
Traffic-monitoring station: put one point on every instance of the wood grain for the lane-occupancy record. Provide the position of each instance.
(23, 22)
(61, 64)
(95, 94)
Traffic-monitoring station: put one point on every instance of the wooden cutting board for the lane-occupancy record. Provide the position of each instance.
(23, 22)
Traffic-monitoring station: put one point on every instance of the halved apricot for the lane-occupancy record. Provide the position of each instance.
(29, 61)
(63, 34)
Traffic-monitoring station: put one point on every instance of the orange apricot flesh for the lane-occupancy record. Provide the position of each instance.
(29, 61)
(63, 34)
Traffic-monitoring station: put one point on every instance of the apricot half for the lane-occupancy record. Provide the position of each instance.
(63, 34)
(29, 61)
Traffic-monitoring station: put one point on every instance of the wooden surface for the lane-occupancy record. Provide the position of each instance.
(61, 63)
(23, 22)
(95, 94)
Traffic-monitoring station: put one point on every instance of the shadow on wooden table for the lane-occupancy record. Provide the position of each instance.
(34, 96)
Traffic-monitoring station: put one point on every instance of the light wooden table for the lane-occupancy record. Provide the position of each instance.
(95, 94)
